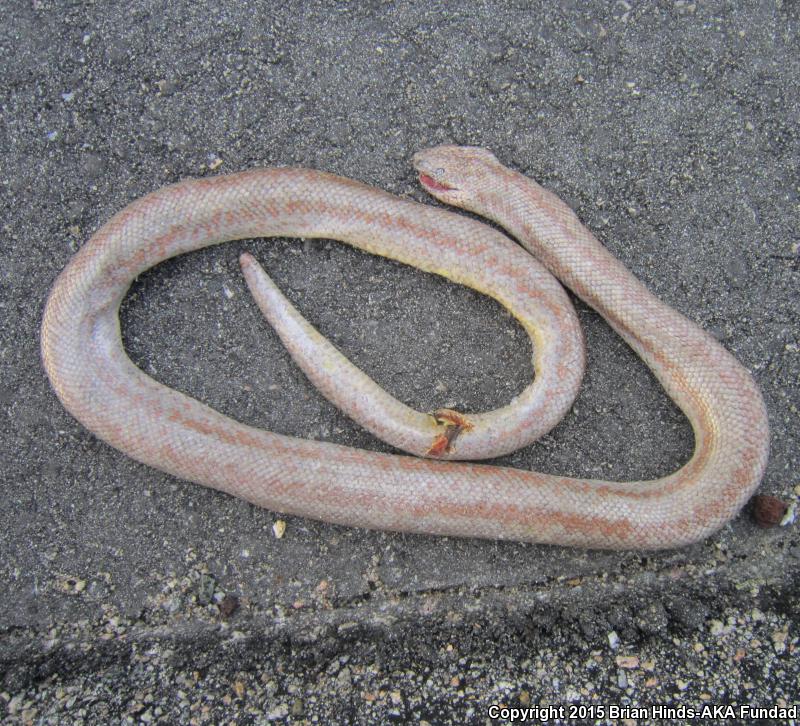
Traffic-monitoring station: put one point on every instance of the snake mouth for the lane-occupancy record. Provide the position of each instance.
(430, 183)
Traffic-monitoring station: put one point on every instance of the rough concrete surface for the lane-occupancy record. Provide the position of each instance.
(671, 128)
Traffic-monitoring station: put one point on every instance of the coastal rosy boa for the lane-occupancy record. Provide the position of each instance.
(99, 385)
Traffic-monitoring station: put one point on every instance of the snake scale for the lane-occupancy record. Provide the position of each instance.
(98, 384)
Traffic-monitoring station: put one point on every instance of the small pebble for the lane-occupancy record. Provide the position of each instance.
(769, 511)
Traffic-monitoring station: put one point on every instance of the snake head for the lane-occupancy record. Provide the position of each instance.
(456, 174)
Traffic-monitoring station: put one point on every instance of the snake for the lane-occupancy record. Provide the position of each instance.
(90, 372)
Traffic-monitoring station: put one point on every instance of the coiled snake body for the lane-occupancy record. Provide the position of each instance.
(96, 381)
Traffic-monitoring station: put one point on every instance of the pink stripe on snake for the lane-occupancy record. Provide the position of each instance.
(95, 380)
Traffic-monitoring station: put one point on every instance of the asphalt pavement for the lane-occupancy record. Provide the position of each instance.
(672, 130)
